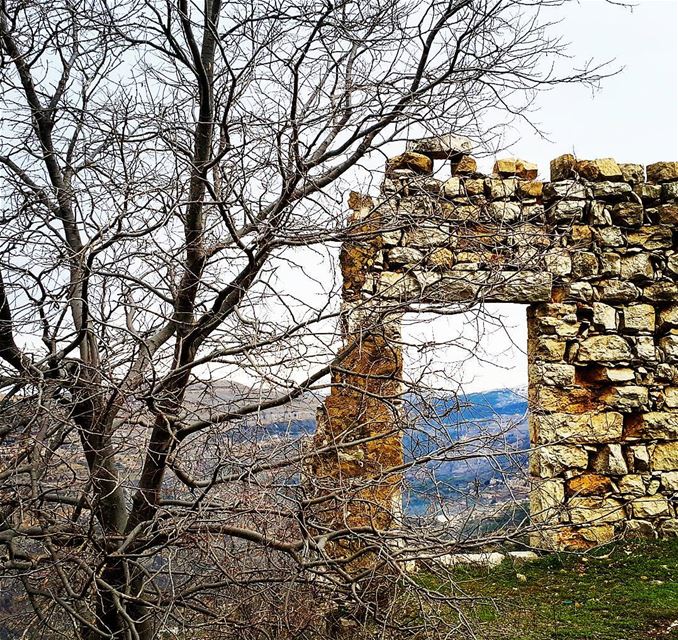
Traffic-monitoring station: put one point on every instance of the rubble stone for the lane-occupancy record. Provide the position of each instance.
(662, 172)
(416, 162)
(601, 169)
(441, 147)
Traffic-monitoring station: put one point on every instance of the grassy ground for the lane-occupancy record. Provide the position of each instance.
(625, 592)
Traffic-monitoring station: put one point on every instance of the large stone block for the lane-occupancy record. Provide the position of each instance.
(548, 349)
(668, 317)
(609, 460)
(608, 348)
(604, 316)
(651, 237)
(610, 190)
(589, 484)
(664, 455)
(546, 500)
(552, 460)
(627, 214)
(649, 507)
(653, 425)
(441, 147)
(410, 161)
(669, 480)
(562, 167)
(592, 510)
(669, 346)
(600, 169)
(566, 428)
(565, 189)
(639, 318)
(633, 173)
(625, 399)
(637, 266)
(617, 291)
(662, 172)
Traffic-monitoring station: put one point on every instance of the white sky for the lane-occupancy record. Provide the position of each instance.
(632, 118)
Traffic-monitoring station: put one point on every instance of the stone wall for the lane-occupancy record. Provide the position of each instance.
(594, 255)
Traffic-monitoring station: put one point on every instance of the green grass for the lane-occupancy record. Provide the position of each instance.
(625, 592)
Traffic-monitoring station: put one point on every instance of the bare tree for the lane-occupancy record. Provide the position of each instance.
(172, 176)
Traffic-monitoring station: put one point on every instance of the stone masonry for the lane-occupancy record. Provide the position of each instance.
(594, 253)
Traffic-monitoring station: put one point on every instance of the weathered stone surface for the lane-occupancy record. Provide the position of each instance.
(566, 211)
(562, 167)
(506, 167)
(552, 460)
(669, 346)
(555, 374)
(501, 189)
(639, 318)
(405, 256)
(546, 499)
(452, 188)
(639, 529)
(648, 193)
(651, 237)
(668, 317)
(589, 484)
(653, 425)
(609, 460)
(530, 188)
(664, 456)
(526, 170)
(474, 187)
(625, 399)
(548, 349)
(610, 190)
(440, 259)
(464, 166)
(558, 262)
(441, 147)
(596, 374)
(633, 173)
(604, 316)
(578, 429)
(609, 237)
(565, 190)
(426, 236)
(505, 211)
(664, 291)
(671, 397)
(595, 510)
(599, 213)
(650, 507)
(669, 528)
(662, 172)
(601, 169)
(615, 290)
(584, 264)
(416, 162)
(604, 349)
(668, 214)
(399, 286)
(627, 214)
(669, 481)
(670, 192)
(631, 484)
(610, 264)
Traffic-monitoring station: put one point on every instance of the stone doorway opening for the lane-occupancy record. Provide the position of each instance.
(466, 406)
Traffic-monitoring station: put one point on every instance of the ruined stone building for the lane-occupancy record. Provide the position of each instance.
(594, 253)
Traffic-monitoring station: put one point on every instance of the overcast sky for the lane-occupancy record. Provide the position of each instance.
(632, 118)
